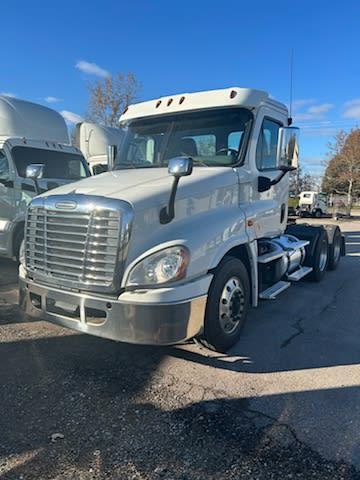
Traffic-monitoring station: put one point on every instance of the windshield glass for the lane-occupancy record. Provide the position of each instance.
(61, 165)
(211, 138)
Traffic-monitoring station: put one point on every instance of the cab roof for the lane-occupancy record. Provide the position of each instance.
(23, 119)
(228, 97)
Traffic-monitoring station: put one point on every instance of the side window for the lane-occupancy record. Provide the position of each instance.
(4, 167)
(266, 149)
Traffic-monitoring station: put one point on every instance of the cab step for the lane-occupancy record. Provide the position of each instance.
(299, 274)
(269, 257)
(272, 292)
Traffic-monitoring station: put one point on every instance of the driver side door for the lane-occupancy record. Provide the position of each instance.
(267, 211)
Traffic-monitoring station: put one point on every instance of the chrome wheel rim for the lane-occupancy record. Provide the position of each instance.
(231, 306)
(323, 257)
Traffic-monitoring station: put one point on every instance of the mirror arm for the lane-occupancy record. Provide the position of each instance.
(168, 213)
(284, 171)
(37, 188)
(278, 179)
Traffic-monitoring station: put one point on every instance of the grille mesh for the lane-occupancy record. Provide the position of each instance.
(79, 247)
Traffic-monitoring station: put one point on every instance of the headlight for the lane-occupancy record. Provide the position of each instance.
(161, 267)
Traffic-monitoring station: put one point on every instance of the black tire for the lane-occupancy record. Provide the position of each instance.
(335, 250)
(230, 271)
(18, 238)
(318, 213)
(318, 262)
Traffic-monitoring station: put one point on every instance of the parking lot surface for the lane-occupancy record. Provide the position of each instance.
(284, 403)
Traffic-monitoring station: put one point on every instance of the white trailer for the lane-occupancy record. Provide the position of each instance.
(93, 141)
(184, 234)
(31, 134)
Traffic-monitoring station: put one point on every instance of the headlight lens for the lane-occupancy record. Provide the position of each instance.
(165, 266)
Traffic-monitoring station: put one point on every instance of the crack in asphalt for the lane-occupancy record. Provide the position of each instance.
(277, 423)
(299, 331)
(298, 324)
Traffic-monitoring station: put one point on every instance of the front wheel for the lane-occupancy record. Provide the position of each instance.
(227, 305)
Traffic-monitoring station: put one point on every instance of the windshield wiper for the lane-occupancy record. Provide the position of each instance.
(199, 162)
(125, 166)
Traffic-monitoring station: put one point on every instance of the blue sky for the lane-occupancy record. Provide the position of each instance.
(184, 46)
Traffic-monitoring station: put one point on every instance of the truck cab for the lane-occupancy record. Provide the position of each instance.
(31, 134)
(186, 231)
(93, 141)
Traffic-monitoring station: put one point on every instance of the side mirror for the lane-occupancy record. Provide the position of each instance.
(111, 156)
(264, 184)
(288, 148)
(35, 172)
(178, 167)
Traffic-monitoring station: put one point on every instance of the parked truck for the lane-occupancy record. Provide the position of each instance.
(184, 234)
(313, 204)
(93, 141)
(31, 134)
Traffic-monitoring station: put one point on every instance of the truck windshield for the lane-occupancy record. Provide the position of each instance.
(210, 137)
(57, 164)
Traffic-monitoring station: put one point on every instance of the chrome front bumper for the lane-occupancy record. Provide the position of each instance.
(160, 323)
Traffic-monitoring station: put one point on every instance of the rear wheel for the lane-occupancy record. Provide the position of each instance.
(227, 305)
(318, 213)
(320, 257)
(335, 250)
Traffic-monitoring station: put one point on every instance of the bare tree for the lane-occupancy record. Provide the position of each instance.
(342, 174)
(110, 96)
(300, 182)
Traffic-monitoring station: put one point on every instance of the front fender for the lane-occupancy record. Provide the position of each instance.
(208, 237)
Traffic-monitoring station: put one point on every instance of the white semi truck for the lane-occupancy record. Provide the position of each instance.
(31, 134)
(184, 234)
(93, 141)
(313, 204)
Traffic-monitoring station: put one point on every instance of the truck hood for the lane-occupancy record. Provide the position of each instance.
(147, 187)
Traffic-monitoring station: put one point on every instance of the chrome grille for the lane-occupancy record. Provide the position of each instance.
(82, 248)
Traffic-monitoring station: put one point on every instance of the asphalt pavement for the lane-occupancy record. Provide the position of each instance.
(284, 403)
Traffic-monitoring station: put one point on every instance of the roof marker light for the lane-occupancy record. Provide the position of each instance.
(233, 93)
(158, 103)
(182, 99)
(126, 109)
(169, 102)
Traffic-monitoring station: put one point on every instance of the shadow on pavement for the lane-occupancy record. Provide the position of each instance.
(115, 424)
